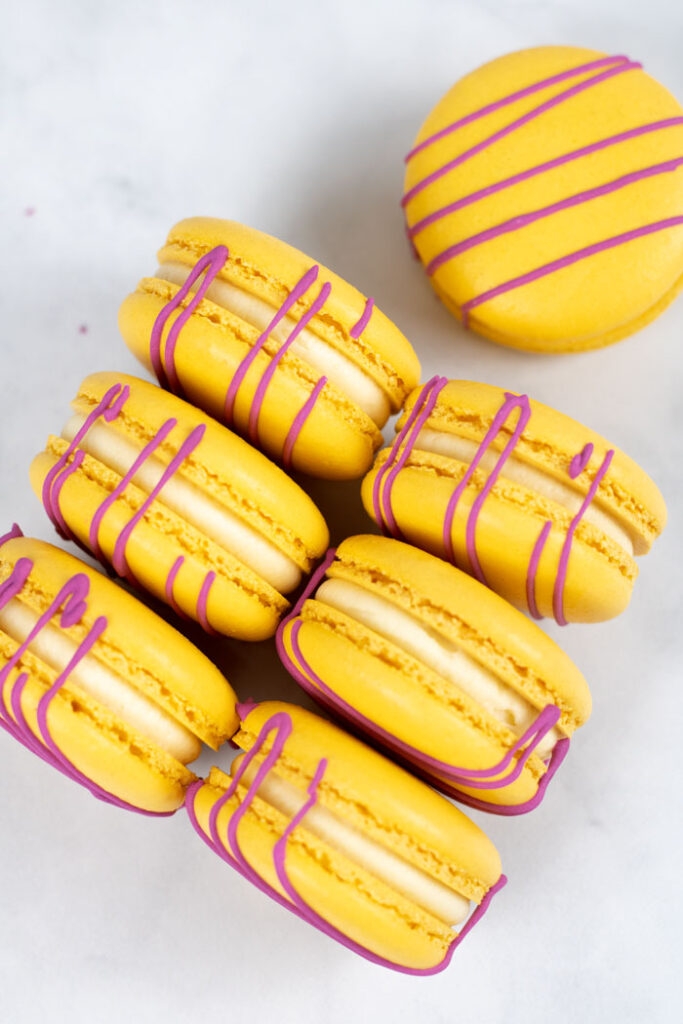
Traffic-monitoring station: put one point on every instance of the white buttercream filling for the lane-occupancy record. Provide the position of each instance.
(534, 479)
(375, 858)
(56, 649)
(439, 654)
(328, 361)
(200, 510)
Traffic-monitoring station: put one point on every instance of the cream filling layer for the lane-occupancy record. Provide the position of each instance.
(375, 858)
(338, 368)
(55, 649)
(436, 652)
(218, 523)
(516, 470)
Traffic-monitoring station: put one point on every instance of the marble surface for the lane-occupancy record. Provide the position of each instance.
(120, 119)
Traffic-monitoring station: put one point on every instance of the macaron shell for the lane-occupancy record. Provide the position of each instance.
(222, 465)
(348, 897)
(270, 268)
(138, 645)
(593, 301)
(549, 442)
(97, 743)
(405, 698)
(470, 615)
(337, 440)
(239, 602)
(600, 575)
(382, 800)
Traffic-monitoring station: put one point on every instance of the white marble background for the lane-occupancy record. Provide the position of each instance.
(118, 119)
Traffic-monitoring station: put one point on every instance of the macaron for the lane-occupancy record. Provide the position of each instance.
(347, 840)
(545, 511)
(433, 665)
(544, 196)
(100, 687)
(271, 343)
(180, 505)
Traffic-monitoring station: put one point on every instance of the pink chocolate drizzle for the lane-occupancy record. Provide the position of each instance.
(617, 65)
(71, 602)
(554, 101)
(228, 848)
(521, 221)
(567, 261)
(108, 409)
(210, 265)
(548, 165)
(402, 449)
(431, 768)
(528, 90)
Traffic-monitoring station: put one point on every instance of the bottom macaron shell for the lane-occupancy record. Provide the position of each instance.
(380, 683)
(238, 603)
(599, 578)
(100, 746)
(350, 899)
(528, 343)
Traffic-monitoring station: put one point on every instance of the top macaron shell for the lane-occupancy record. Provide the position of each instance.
(147, 656)
(522, 183)
(354, 339)
(222, 469)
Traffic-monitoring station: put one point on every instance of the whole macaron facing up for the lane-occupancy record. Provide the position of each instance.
(544, 196)
(346, 839)
(272, 344)
(543, 510)
(464, 688)
(180, 505)
(99, 686)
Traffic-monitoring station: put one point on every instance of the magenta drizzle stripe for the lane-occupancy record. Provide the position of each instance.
(56, 515)
(558, 593)
(359, 327)
(212, 262)
(109, 408)
(147, 451)
(567, 261)
(533, 570)
(522, 220)
(554, 101)
(263, 384)
(512, 98)
(381, 490)
(297, 292)
(170, 583)
(532, 172)
(511, 403)
(202, 601)
(299, 420)
(187, 447)
(12, 534)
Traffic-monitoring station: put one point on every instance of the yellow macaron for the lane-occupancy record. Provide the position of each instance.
(179, 504)
(542, 509)
(98, 685)
(450, 677)
(271, 343)
(544, 195)
(347, 839)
